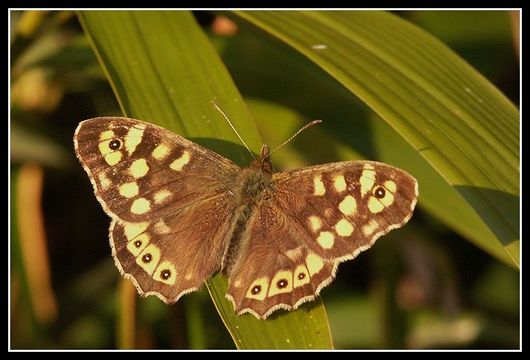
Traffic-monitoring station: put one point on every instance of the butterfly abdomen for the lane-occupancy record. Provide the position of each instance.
(254, 186)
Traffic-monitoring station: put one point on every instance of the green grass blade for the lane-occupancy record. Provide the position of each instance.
(164, 70)
(453, 117)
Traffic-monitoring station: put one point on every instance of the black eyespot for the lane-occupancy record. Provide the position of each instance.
(147, 258)
(256, 290)
(281, 283)
(165, 274)
(379, 192)
(137, 243)
(114, 144)
(301, 276)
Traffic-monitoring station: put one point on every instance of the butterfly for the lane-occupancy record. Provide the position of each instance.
(181, 213)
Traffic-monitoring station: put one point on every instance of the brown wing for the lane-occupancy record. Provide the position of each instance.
(137, 168)
(316, 218)
(175, 254)
(344, 207)
(275, 269)
(169, 200)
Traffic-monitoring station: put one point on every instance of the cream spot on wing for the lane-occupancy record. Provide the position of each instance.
(139, 243)
(129, 190)
(237, 283)
(132, 230)
(367, 179)
(339, 183)
(113, 158)
(161, 227)
(301, 276)
(369, 228)
(103, 147)
(390, 186)
(104, 181)
(281, 283)
(375, 205)
(188, 276)
(320, 190)
(106, 135)
(179, 163)
(148, 259)
(348, 206)
(139, 168)
(294, 254)
(140, 206)
(314, 263)
(315, 222)
(388, 199)
(165, 273)
(258, 289)
(161, 195)
(367, 166)
(160, 152)
(344, 228)
(133, 138)
(326, 239)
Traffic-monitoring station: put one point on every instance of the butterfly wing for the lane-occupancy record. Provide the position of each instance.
(275, 269)
(168, 198)
(315, 218)
(349, 206)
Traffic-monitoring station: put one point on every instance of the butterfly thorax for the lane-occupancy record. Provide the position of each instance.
(255, 181)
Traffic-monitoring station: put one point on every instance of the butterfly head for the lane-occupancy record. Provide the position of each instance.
(264, 161)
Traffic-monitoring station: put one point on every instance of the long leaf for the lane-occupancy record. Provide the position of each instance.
(453, 117)
(164, 70)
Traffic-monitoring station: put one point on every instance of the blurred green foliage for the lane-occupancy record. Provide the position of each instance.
(421, 287)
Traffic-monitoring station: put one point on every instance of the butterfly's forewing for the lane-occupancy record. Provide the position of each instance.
(344, 207)
(315, 218)
(171, 218)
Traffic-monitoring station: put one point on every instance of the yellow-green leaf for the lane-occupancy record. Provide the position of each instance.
(464, 127)
(164, 70)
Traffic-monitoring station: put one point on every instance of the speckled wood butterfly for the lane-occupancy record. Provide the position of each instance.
(181, 212)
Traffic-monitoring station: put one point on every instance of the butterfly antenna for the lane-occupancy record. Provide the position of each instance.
(233, 128)
(314, 122)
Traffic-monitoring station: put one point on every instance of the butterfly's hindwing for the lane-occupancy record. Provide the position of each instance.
(175, 254)
(274, 268)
